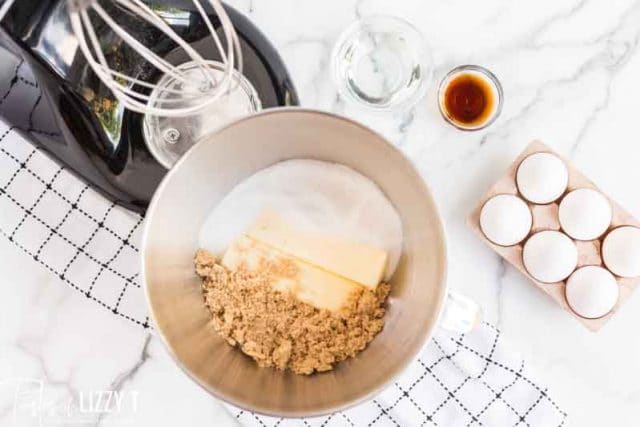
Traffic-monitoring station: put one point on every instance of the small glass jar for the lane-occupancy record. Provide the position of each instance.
(453, 105)
(168, 138)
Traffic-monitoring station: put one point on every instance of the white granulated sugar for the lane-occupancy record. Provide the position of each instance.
(311, 195)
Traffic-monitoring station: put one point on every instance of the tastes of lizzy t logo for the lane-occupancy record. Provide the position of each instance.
(32, 401)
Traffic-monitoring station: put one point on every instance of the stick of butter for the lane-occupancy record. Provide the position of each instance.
(358, 262)
(310, 284)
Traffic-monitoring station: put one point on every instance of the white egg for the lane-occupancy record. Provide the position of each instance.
(550, 256)
(505, 219)
(592, 291)
(542, 178)
(621, 251)
(585, 214)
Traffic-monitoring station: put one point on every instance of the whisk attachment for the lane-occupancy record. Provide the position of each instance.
(193, 85)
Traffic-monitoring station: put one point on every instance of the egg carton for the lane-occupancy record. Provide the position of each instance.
(545, 217)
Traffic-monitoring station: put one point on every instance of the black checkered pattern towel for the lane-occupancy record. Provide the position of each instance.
(91, 245)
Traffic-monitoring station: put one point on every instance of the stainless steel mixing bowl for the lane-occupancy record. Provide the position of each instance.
(204, 176)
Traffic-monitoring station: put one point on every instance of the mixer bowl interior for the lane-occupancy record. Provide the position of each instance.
(204, 176)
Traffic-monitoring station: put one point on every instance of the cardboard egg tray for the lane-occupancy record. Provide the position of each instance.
(545, 217)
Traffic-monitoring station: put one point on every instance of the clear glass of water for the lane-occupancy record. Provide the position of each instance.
(382, 62)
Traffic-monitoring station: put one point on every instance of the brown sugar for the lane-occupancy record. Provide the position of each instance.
(276, 329)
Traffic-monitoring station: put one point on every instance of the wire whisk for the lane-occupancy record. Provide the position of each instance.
(193, 85)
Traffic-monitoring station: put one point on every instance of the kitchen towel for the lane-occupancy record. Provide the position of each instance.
(91, 244)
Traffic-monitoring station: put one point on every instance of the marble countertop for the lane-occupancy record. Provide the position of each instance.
(570, 75)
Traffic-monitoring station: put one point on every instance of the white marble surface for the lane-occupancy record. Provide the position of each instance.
(570, 73)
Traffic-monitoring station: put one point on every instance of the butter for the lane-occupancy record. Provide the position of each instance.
(355, 261)
(310, 284)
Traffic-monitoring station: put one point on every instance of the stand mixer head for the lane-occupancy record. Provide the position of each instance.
(128, 85)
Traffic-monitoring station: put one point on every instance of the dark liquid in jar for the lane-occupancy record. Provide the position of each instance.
(469, 99)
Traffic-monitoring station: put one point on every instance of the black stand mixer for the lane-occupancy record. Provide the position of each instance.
(77, 119)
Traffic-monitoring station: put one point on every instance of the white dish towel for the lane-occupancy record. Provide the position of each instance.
(91, 245)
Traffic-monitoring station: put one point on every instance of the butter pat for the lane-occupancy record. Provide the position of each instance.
(357, 262)
(308, 284)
